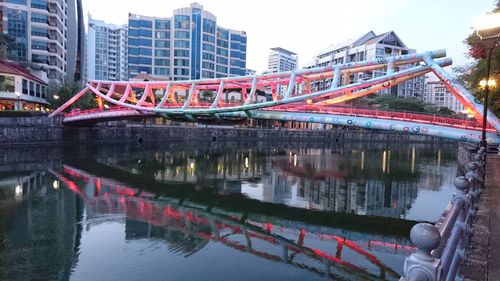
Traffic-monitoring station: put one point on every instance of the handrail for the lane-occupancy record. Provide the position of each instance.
(441, 247)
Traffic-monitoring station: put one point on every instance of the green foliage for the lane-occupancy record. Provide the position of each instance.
(7, 44)
(59, 94)
(470, 75)
(390, 102)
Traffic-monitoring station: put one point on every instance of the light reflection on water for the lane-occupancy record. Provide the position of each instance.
(190, 214)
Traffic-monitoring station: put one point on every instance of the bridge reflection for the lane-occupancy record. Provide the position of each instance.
(188, 227)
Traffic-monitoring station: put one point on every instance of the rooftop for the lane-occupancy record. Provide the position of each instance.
(281, 50)
(10, 67)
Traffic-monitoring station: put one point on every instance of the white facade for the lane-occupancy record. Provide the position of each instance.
(281, 60)
(40, 31)
(436, 93)
(368, 47)
(106, 57)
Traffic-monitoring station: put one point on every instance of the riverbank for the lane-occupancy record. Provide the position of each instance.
(16, 131)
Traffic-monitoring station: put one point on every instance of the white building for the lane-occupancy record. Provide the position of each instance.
(436, 93)
(46, 33)
(368, 47)
(106, 51)
(281, 60)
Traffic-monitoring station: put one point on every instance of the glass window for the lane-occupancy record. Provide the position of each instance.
(221, 60)
(182, 22)
(133, 32)
(162, 44)
(222, 34)
(222, 43)
(222, 52)
(209, 38)
(162, 24)
(208, 47)
(162, 34)
(145, 33)
(39, 45)
(181, 44)
(133, 60)
(162, 53)
(32, 88)
(7, 83)
(144, 60)
(208, 26)
(181, 53)
(161, 71)
(133, 51)
(134, 42)
(37, 31)
(35, 17)
(38, 91)
(20, 2)
(146, 42)
(44, 92)
(39, 4)
(134, 23)
(222, 69)
(162, 62)
(181, 34)
(145, 52)
(25, 86)
(146, 23)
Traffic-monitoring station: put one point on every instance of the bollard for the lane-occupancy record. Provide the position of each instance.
(421, 266)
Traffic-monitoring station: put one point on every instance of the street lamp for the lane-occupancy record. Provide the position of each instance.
(488, 30)
(19, 105)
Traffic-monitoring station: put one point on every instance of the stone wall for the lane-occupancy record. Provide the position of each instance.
(37, 130)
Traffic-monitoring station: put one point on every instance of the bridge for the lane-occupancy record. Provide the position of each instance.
(307, 95)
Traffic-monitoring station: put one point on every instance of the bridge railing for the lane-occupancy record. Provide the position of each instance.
(442, 247)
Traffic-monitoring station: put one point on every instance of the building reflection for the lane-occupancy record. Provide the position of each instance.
(39, 236)
(187, 227)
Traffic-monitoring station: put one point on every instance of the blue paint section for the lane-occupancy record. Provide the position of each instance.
(196, 44)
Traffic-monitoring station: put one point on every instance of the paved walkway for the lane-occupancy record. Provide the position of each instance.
(484, 257)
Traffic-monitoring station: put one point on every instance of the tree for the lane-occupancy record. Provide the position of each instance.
(7, 44)
(471, 74)
(59, 94)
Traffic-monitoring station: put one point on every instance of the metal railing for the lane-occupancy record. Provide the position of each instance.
(441, 248)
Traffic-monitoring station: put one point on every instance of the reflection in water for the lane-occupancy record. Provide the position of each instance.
(137, 213)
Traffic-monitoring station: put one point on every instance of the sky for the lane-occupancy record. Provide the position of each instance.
(308, 27)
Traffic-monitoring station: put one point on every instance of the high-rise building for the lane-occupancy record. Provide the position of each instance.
(189, 45)
(368, 47)
(45, 33)
(106, 51)
(436, 93)
(281, 60)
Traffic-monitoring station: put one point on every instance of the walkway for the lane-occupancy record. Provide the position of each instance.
(484, 259)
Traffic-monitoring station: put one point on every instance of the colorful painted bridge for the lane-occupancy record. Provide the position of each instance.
(307, 95)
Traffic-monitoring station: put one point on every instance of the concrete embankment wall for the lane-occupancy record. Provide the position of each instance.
(38, 130)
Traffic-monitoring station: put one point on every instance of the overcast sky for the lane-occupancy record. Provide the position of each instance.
(307, 27)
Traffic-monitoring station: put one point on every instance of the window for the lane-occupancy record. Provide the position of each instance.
(208, 56)
(35, 17)
(181, 62)
(39, 45)
(162, 62)
(38, 91)
(181, 44)
(208, 65)
(145, 33)
(37, 31)
(209, 38)
(223, 34)
(222, 52)
(239, 38)
(146, 24)
(134, 42)
(145, 52)
(7, 83)
(133, 32)
(146, 42)
(134, 23)
(181, 53)
(208, 26)
(221, 60)
(32, 89)
(181, 34)
(162, 34)
(222, 69)
(162, 44)
(162, 53)
(162, 71)
(25, 86)
(20, 2)
(208, 47)
(181, 22)
(222, 43)
(144, 60)
(39, 4)
(133, 51)
(162, 24)
(44, 92)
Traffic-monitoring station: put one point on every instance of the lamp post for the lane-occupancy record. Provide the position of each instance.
(488, 30)
(19, 105)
